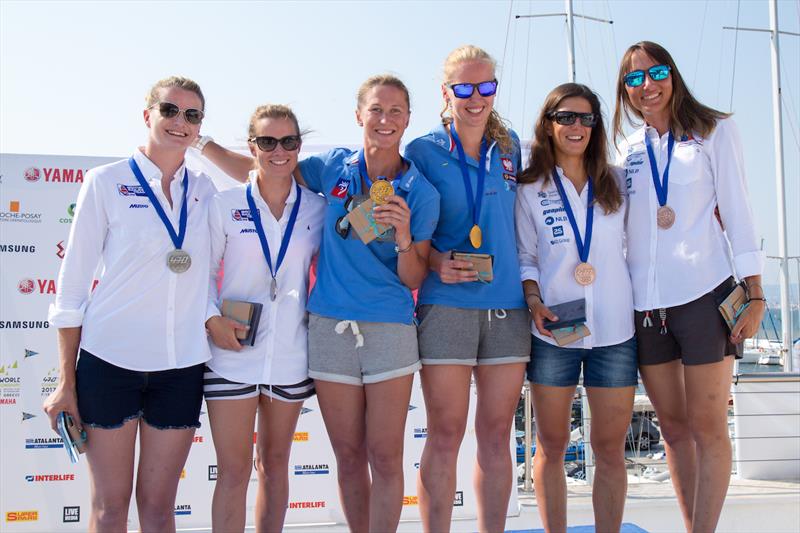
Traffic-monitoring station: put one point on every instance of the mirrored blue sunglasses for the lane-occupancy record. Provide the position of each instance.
(657, 73)
(465, 90)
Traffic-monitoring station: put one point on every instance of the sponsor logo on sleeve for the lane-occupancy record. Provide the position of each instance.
(241, 215)
(130, 190)
(340, 189)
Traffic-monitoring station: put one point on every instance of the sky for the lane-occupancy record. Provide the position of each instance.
(73, 75)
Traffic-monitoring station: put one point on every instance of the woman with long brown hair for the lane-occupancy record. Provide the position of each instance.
(683, 162)
(470, 322)
(570, 219)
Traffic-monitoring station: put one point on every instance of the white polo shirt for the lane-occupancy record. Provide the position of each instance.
(548, 255)
(675, 266)
(280, 353)
(140, 316)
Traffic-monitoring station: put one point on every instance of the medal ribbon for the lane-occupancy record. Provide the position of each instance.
(585, 243)
(362, 169)
(661, 184)
(177, 239)
(287, 235)
(473, 202)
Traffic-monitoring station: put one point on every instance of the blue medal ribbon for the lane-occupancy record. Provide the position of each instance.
(362, 169)
(585, 243)
(473, 202)
(661, 184)
(177, 238)
(287, 235)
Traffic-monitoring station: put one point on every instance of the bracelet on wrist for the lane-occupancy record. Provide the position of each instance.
(201, 142)
(403, 250)
(762, 299)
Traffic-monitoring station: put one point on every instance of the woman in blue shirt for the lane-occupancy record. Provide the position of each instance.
(470, 321)
(362, 337)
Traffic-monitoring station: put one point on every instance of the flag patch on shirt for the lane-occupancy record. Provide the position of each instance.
(130, 190)
(508, 166)
(241, 215)
(340, 189)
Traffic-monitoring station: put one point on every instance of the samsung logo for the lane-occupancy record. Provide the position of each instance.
(18, 248)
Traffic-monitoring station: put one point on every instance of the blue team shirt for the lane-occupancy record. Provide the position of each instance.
(436, 156)
(357, 281)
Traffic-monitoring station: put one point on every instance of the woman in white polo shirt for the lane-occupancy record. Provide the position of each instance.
(681, 164)
(140, 331)
(267, 233)
(570, 219)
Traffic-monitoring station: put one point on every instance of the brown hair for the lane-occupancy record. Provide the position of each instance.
(595, 158)
(186, 84)
(496, 128)
(276, 111)
(378, 81)
(687, 115)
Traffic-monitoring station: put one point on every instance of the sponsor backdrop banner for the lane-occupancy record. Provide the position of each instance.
(40, 490)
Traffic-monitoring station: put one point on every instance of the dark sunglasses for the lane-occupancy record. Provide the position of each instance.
(170, 110)
(465, 90)
(657, 73)
(268, 144)
(342, 223)
(568, 118)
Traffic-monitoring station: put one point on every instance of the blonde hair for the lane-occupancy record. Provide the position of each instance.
(378, 81)
(496, 128)
(180, 82)
(275, 111)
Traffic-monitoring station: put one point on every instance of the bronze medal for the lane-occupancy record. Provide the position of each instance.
(379, 190)
(665, 217)
(476, 236)
(584, 274)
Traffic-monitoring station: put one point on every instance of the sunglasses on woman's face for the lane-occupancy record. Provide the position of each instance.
(568, 118)
(170, 110)
(465, 90)
(268, 144)
(635, 78)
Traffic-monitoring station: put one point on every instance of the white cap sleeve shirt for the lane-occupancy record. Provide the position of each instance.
(548, 255)
(280, 353)
(140, 316)
(675, 266)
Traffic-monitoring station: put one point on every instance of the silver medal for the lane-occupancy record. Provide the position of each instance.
(179, 261)
(273, 290)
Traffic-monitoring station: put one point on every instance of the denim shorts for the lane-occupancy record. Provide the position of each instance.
(604, 366)
(109, 396)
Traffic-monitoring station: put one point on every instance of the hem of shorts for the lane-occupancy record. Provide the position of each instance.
(335, 378)
(391, 374)
(446, 361)
(551, 384)
(271, 396)
(343, 314)
(612, 384)
(246, 396)
(113, 426)
(605, 344)
(160, 428)
(480, 306)
(489, 361)
(699, 363)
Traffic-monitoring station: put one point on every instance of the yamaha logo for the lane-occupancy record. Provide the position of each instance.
(32, 174)
(26, 286)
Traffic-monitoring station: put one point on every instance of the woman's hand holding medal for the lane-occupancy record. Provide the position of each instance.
(394, 212)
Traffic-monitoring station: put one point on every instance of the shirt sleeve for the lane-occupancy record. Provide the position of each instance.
(84, 251)
(730, 185)
(312, 169)
(425, 216)
(216, 230)
(527, 238)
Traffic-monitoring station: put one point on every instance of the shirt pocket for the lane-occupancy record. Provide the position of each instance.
(688, 164)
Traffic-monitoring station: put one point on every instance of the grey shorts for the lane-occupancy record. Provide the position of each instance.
(359, 353)
(461, 336)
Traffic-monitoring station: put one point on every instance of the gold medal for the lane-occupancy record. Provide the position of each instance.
(665, 217)
(476, 236)
(379, 190)
(584, 274)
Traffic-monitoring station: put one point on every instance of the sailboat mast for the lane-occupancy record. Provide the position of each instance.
(780, 187)
(570, 41)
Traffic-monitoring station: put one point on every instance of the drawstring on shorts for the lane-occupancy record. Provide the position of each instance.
(342, 325)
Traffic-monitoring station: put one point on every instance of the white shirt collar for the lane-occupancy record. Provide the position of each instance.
(150, 170)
